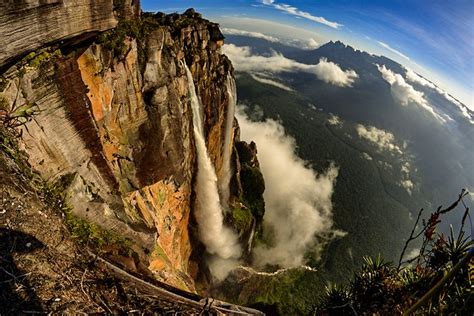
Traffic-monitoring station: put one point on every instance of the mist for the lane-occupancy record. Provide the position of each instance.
(298, 203)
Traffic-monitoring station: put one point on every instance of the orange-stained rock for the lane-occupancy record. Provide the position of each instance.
(167, 208)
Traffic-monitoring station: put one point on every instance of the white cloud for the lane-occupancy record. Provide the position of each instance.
(260, 78)
(298, 204)
(393, 50)
(408, 185)
(243, 60)
(332, 73)
(306, 44)
(405, 182)
(405, 93)
(327, 71)
(334, 120)
(232, 31)
(416, 78)
(406, 168)
(298, 13)
(309, 44)
(385, 141)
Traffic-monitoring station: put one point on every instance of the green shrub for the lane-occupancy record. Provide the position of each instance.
(253, 186)
(242, 219)
(90, 234)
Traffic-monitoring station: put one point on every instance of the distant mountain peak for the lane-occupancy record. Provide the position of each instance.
(336, 45)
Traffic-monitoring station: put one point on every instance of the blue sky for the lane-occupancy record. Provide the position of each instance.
(433, 37)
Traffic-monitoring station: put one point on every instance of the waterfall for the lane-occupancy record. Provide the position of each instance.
(218, 239)
(226, 171)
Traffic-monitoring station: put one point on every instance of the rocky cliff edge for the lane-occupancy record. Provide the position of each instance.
(106, 118)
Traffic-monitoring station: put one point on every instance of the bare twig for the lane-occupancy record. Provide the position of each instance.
(13, 276)
(464, 192)
(411, 238)
(105, 305)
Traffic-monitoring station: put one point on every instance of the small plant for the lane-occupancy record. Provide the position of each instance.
(17, 116)
(375, 264)
(337, 300)
(114, 40)
(91, 235)
(36, 59)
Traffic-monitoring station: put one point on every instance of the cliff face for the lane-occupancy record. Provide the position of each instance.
(112, 120)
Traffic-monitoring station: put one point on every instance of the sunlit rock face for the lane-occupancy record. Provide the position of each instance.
(120, 126)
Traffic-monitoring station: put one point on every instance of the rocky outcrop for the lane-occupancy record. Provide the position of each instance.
(112, 115)
(27, 25)
(247, 186)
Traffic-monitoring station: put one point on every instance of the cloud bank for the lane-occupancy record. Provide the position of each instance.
(405, 93)
(232, 31)
(286, 8)
(416, 78)
(310, 43)
(327, 71)
(297, 199)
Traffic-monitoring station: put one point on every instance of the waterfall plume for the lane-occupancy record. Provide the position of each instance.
(219, 240)
(226, 170)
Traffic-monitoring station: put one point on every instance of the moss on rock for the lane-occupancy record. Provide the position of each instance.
(242, 219)
(253, 186)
